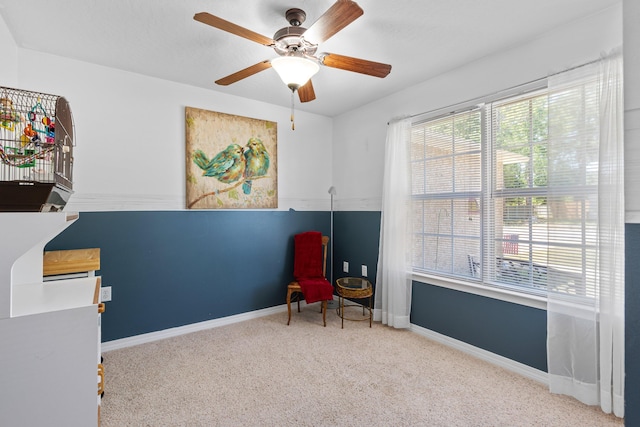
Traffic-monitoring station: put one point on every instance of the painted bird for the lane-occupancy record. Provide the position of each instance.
(257, 159)
(227, 166)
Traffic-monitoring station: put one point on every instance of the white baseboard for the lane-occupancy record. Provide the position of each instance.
(487, 356)
(186, 329)
(194, 327)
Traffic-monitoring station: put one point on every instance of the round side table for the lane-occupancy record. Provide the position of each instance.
(356, 288)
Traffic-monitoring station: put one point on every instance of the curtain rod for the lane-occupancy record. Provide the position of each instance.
(475, 101)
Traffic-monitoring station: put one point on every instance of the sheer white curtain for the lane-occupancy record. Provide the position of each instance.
(393, 283)
(585, 340)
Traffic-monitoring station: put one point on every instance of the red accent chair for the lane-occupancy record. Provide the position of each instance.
(310, 270)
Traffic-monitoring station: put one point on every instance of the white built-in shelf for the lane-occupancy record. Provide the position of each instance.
(43, 297)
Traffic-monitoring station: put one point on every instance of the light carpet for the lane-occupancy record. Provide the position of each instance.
(262, 372)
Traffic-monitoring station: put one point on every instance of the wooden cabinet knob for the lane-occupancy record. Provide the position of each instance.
(101, 375)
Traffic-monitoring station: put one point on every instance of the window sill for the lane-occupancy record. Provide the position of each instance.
(485, 291)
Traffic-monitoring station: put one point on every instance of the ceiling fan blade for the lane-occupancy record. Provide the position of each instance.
(247, 72)
(376, 69)
(230, 27)
(338, 16)
(306, 92)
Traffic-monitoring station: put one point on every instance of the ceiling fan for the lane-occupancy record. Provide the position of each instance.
(297, 46)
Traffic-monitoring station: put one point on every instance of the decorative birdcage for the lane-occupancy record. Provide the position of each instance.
(36, 151)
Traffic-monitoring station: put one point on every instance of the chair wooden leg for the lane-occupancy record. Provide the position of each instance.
(323, 307)
(324, 312)
(289, 305)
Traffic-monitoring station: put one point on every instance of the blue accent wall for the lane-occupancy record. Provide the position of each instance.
(510, 330)
(632, 325)
(356, 240)
(169, 269)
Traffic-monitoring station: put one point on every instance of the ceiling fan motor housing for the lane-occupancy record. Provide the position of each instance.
(289, 41)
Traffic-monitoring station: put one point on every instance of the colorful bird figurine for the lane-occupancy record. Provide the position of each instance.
(227, 166)
(257, 162)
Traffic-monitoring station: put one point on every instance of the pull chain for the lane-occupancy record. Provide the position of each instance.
(293, 125)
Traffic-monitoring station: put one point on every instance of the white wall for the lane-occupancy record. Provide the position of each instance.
(130, 135)
(9, 50)
(359, 135)
(130, 128)
(632, 109)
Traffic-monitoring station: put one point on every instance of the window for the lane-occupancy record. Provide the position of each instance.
(493, 205)
(447, 193)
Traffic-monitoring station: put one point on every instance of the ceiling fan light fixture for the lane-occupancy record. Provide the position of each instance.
(295, 71)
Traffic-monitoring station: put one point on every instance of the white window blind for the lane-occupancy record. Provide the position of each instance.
(516, 204)
(447, 192)
(493, 204)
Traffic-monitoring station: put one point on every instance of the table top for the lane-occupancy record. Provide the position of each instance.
(353, 283)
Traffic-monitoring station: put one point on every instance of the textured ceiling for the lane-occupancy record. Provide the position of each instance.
(159, 38)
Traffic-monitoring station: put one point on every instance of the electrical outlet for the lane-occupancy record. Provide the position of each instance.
(345, 266)
(364, 270)
(105, 294)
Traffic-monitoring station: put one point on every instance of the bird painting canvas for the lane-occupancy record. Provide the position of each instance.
(231, 161)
